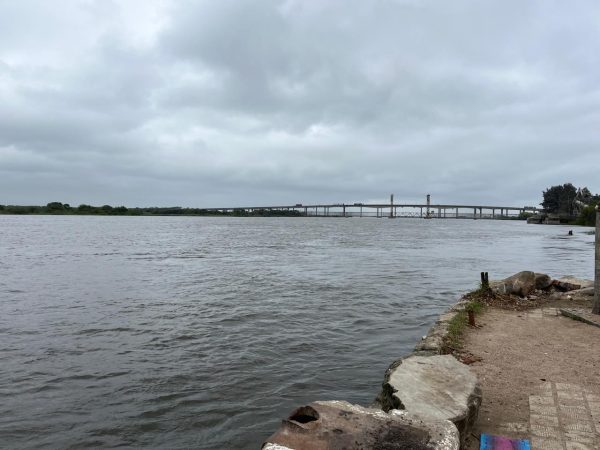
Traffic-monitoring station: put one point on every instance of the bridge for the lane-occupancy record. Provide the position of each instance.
(392, 210)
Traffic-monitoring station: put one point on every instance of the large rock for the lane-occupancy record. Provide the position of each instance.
(522, 283)
(581, 282)
(340, 425)
(542, 281)
(439, 387)
(588, 291)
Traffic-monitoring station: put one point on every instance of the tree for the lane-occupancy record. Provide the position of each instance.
(587, 216)
(85, 209)
(54, 206)
(560, 199)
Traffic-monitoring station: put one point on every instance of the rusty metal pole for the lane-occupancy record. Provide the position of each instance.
(471, 316)
(596, 307)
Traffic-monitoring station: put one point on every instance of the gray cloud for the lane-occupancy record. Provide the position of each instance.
(202, 103)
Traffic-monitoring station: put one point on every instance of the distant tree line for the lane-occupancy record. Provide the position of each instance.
(107, 210)
(571, 204)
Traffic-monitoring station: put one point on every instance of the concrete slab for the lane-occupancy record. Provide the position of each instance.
(583, 283)
(582, 315)
(564, 416)
(333, 425)
(439, 387)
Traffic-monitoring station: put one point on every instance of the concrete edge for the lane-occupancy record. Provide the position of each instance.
(572, 314)
(431, 344)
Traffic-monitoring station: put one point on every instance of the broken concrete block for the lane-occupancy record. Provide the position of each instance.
(439, 387)
(522, 284)
(334, 425)
(581, 282)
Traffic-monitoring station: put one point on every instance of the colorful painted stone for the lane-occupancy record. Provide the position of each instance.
(490, 442)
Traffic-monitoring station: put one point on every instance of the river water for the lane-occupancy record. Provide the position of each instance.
(203, 332)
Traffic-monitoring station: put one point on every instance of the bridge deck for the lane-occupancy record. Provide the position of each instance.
(380, 205)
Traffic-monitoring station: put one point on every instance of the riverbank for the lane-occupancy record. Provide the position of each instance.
(539, 373)
(60, 209)
(535, 368)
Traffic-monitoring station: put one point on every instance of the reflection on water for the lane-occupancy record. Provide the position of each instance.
(205, 332)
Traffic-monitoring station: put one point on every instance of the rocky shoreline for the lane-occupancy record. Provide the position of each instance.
(429, 398)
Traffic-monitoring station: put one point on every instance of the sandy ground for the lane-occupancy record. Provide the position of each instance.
(522, 350)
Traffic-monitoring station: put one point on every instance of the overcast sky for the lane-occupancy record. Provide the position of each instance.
(231, 103)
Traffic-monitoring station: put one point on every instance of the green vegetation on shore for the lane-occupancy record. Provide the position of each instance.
(458, 324)
(107, 210)
(571, 205)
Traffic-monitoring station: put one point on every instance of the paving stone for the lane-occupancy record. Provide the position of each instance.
(585, 427)
(545, 432)
(545, 444)
(545, 421)
(568, 387)
(592, 397)
(570, 395)
(580, 446)
(594, 406)
(545, 389)
(569, 402)
(541, 400)
(589, 440)
(543, 410)
(514, 427)
(574, 424)
(574, 412)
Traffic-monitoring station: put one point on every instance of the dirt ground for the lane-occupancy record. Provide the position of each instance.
(522, 350)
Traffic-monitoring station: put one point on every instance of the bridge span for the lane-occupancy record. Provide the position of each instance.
(393, 210)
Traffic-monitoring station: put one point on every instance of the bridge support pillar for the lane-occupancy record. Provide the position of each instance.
(457, 213)
(481, 213)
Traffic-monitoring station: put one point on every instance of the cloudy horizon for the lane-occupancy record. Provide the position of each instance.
(232, 103)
